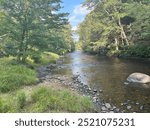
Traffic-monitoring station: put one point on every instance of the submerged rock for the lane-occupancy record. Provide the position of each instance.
(139, 78)
(141, 107)
(129, 107)
(51, 66)
(108, 105)
(95, 99)
(104, 109)
(95, 90)
(100, 91)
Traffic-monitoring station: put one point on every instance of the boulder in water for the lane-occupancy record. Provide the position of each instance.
(139, 78)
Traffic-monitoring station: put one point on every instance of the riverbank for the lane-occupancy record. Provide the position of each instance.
(121, 56)
(22, 91)
(86, 79)
(73, 83)
(108, 76)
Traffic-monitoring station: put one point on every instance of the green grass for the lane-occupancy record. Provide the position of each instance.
(13, 77)
(16, 98)
(48, 57)
(44, 59)
(12, 102)
(44, 99)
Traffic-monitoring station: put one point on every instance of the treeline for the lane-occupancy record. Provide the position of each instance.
(31, 27)
(117, 27)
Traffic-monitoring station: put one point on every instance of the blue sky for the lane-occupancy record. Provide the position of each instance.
(77, 12)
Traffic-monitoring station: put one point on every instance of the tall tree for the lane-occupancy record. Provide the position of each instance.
(117, 25)
(29, 25)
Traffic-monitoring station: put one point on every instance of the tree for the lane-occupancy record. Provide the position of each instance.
(117, 25)
(29, 25)
(108, 16)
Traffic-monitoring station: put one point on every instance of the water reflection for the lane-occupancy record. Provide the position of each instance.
(109, 75)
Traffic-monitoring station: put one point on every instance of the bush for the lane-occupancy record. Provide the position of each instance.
(142, 51)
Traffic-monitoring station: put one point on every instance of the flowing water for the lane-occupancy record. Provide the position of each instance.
(109, 75)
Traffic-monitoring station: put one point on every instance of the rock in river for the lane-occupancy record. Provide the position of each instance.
(104, 109)
(129, 107)
(108, 105)
(139, 78)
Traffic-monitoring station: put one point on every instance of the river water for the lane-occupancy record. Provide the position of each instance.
(109, 76)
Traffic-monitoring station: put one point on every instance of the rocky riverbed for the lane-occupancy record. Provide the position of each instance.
(47, 77)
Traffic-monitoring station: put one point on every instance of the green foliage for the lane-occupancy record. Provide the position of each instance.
(14, 76)
(116, 24)
(1, 103)
(42, 59)
(64, 42)
(48, 57)
(78, 46)
(30, 27)
(141, 51)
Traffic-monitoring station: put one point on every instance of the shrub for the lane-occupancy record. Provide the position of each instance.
(142, 51)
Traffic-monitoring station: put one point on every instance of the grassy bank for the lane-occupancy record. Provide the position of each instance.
(13, 76)
(43, 99)
(16, 97)
(44, 59)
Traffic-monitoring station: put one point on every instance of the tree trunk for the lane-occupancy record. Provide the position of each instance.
(116, 44)
(24, 41)
(123, 34)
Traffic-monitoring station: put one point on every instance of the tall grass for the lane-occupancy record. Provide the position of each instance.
(42, 59)
(41, 99)
(48, 57)
(44, 99)
(14, 76)
(52, 100)
(12, 102)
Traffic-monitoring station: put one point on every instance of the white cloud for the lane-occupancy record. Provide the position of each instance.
(74, 28)
(77, 17)
(81, 10)
(54, 12)
(78, 14)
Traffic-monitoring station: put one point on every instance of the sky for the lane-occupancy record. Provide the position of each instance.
(77, 12)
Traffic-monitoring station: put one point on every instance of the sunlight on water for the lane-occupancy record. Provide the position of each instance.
(109, 75)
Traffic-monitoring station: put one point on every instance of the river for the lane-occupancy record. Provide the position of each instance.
(109, 76)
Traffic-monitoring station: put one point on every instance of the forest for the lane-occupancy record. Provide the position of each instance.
(117, 28)
(28, 28)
